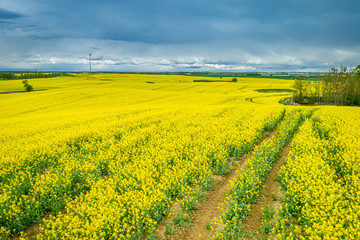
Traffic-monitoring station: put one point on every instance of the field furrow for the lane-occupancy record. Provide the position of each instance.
(212, 207)
(245, 188)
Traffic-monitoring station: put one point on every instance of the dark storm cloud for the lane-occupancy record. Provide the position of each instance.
(202, 21)
(326, 22)
(8, 17)
(240, 34)
(5, 14)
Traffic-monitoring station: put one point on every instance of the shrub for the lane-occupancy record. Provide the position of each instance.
(27, 86)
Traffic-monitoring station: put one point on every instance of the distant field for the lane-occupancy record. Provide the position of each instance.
(280, 75)
(110, 156)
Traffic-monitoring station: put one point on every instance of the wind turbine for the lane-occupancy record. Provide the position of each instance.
(90, 59)
(90, 53)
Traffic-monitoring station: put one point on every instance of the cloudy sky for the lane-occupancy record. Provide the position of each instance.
(186, 35)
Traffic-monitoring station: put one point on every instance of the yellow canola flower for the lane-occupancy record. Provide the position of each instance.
(320, 173)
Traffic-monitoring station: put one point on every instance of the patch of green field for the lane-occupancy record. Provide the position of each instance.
(271, 90)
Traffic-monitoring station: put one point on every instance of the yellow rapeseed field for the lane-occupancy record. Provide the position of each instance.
(107, 155)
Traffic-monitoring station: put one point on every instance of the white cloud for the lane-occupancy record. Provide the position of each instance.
(108, 55)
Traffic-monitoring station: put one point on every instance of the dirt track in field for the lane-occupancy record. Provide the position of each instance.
(269, 196)
(34, 229)
(209, 209)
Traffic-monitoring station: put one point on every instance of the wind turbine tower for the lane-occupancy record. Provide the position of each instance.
(90, 61)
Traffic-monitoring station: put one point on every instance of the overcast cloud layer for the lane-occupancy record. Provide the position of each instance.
(187, 35)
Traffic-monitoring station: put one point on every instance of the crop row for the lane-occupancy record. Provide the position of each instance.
(120, 180)
(245, 188)
(321, 179)
(44, 178)
(139, 191)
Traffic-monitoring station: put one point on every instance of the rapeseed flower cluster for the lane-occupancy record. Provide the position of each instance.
(321, 178)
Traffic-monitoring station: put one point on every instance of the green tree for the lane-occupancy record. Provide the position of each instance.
(299, 86)
(27, 86)
(341, 86)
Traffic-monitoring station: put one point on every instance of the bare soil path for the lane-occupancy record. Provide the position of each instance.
(33, 230)
(210, 208)
(269, 196)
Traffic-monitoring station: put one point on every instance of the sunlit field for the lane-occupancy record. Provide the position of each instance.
(106, 156)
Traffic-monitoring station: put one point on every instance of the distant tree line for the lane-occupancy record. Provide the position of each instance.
(31, 74)
(27, 75)
(7, 76)
(341, 86)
